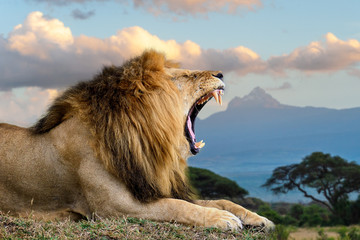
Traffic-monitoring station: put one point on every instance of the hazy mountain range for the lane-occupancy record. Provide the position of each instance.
(257, 134)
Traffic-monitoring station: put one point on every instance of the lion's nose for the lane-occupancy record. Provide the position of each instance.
(219, 75)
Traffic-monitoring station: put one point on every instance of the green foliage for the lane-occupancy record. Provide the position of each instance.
(355, 211)
(342, 232)
(266, 211)
(314, 215)
(289, 220)
(298, 215)
(331, 176)
(211, 185)
(296, 211)
(281, 233)
(354, 234)
(348, 212)
(323, 235)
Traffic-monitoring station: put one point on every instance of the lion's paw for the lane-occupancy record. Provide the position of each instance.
(259, 221)
(222, 219)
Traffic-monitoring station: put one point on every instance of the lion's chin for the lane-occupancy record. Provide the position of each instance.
(194, 111)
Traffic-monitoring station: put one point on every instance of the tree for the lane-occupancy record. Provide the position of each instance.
(331, 176)
(212, 185)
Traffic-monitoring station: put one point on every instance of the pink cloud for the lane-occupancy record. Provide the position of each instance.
(43, 52)
(192, 7)
(196, 7)
(330, 55)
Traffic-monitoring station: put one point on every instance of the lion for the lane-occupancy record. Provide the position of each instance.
(117, 145)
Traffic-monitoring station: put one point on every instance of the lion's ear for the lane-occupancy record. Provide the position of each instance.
(153, 60)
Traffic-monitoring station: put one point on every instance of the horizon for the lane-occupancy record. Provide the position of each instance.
(206, 114)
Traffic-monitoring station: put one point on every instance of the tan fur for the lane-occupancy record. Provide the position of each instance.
(114, 146)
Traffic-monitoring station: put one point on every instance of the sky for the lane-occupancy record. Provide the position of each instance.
(302, 52)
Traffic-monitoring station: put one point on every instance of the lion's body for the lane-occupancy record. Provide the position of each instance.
(113, 146)
(38, 173)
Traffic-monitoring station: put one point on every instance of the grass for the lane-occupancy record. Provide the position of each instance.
(318, 233)
(116, 228)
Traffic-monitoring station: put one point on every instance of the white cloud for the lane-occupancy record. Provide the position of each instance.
(330, 55)
(41, 55)
(37, 35)
(240, 60)
(24, 105)
(43, 52)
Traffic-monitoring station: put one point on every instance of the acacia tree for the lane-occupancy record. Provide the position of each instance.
(331, 176)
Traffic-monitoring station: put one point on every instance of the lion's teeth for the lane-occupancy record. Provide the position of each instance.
(215, 95)
(197, 144)
(200, 144)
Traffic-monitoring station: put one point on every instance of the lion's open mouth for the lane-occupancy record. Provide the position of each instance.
(194, 111)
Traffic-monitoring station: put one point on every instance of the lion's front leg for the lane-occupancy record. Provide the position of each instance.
(246, 216)
(181, 211)
(107, 197)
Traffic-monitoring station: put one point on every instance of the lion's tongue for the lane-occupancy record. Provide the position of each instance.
(200, 144)
(189, 125)
(217, 95)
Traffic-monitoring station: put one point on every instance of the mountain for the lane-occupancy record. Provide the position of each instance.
(257, 133)
(257, 98)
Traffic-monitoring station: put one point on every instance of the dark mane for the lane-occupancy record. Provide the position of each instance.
(134, 113)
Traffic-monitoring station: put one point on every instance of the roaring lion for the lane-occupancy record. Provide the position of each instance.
(117, 146)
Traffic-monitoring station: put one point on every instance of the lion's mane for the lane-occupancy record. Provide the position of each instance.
(134, 113)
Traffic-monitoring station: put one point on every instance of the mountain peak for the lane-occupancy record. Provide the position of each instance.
(257, 98)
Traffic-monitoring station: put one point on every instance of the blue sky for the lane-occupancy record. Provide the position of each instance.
(301, 52)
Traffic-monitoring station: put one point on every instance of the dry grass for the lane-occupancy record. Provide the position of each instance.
(312, 233)
(328, 233)
(126, 228)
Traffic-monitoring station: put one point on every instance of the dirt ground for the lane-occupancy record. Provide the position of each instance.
(310, 234)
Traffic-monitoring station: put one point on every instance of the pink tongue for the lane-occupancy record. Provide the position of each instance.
(189, 125)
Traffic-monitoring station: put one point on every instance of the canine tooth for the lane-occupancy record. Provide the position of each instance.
(200, 144)
(220, 99)
(215, 95)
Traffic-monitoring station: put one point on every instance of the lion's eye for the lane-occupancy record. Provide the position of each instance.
(195, 75)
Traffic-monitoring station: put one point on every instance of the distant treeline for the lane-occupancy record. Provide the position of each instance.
(209, 185)
(310, 215)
